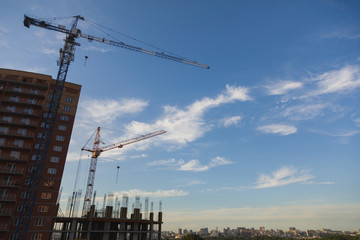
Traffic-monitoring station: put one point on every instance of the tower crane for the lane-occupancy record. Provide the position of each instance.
(96, 151)
(66, 57)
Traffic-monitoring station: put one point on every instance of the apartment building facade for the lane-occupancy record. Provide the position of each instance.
(24, 99)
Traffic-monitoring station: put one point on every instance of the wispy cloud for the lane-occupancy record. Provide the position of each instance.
(107, 110)
(337, 81)
(187, 125)
(344, 133)
(97, 49)
(283, 87)
(155, 194)
(231, 121)
(306, 111)
(281, 129)
(345, 33)
(192, 165)
(49, 51)
(283, 176)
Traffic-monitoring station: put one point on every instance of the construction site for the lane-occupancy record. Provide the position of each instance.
(37, 117)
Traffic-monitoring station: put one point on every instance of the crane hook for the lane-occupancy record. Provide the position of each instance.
(86, 57)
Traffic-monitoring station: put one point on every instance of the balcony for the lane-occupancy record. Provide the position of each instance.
(8, 157)
(9, 184)
(17, 122)
(8, 198)
(22, 112)
(11, 170)
(13, 133)
(23, 146)
(23, 102)
(25, 92)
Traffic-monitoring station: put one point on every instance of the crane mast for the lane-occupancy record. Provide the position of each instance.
(66, 57)
(96, 151)
(36, 171)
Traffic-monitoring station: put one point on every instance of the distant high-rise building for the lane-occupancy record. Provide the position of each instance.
(180, 231)
(24, 99)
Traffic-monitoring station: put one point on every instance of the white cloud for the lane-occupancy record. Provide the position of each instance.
(155, 194)
(278, 129)
(192, 165)
(232, 121)
(107, 110)
(170, 162)
(283, 87)
(97, 49)
(187, 125)
(283, 176)
(49, 51)
(195, 165)
(337, 81)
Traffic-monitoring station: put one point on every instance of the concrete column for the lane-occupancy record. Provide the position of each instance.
(72, 229)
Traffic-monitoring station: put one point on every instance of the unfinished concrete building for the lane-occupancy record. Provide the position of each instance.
(110, 224)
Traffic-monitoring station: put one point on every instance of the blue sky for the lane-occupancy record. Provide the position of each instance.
(269, 136)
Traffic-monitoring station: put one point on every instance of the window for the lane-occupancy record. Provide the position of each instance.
(32, 100)
(11, 108)
(66, 109)
(43, 208)
(57, 148)
(17, 89)
(36, 236)
(49, 183)
(62, 127)
(2, 141)
(14, 98)
(16, 223)
(31, 169)
(34, 91)
(23, 195)
(4, 130)
(64, 118)
(27, 181)
(39, 222)
(68, 100)
(60, 138)
(51, 170)
(18, 142)
(33, 157)
(11, 167)
(45, 195)
(22, 131)
(7, 119)
(50, 96)
(37, 146)
(47, 115)
(43, 124)
(20, 208)
(25, 121)
(54, 159)
(28, 110)
(15, 154)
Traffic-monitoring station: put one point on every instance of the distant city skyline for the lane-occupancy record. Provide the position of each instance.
(268, 136)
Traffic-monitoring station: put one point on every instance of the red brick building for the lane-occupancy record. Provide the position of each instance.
(24, 98)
